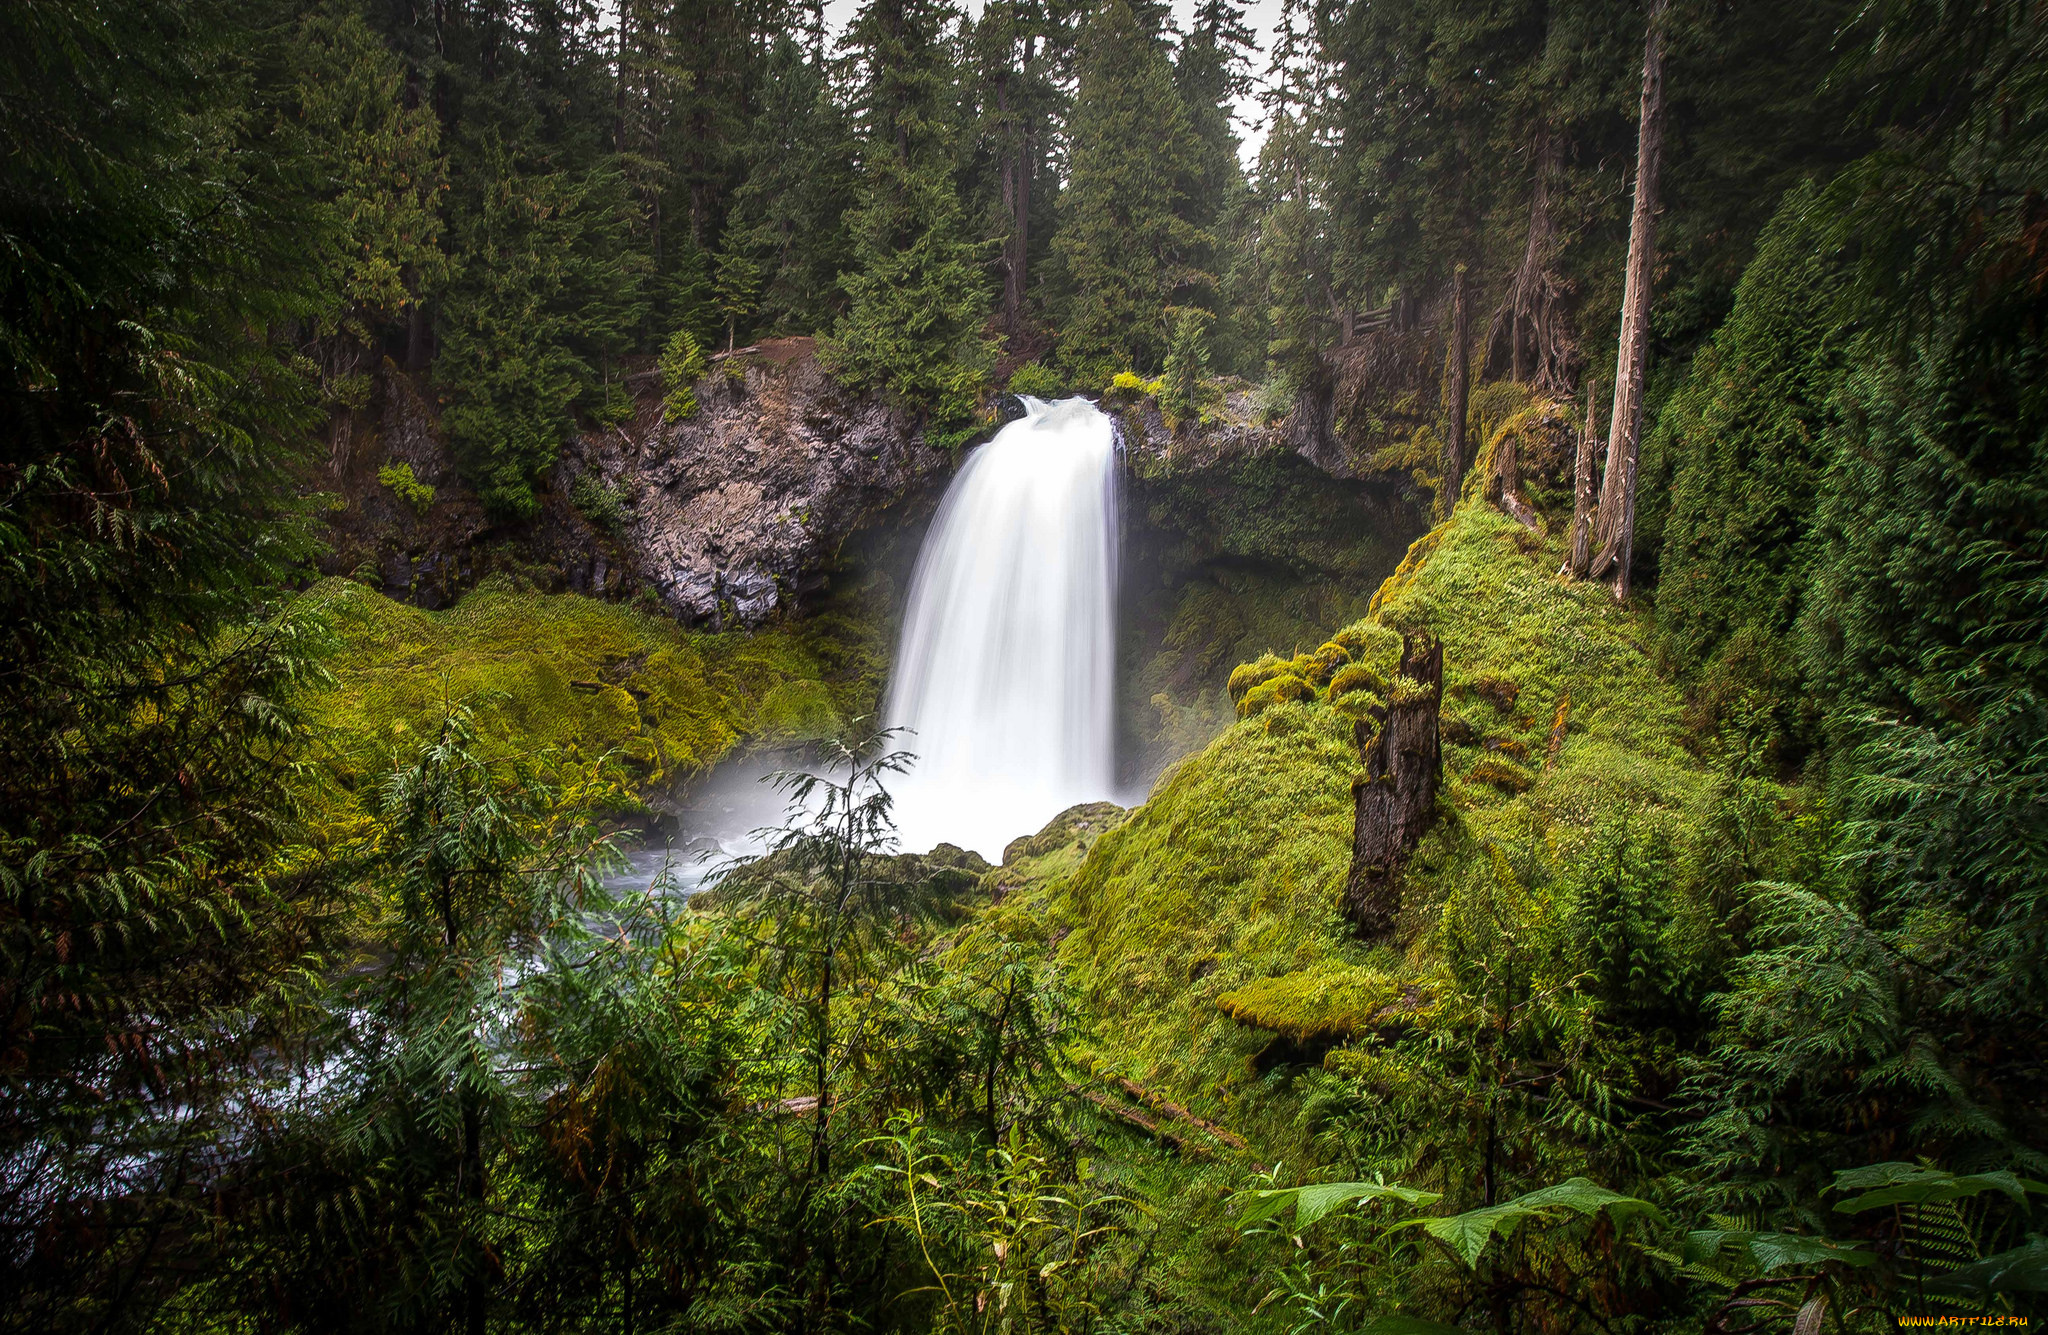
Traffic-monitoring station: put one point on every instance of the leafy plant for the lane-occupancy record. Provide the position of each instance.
(682, 365)
(408, 488)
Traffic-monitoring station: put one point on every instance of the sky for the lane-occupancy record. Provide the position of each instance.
(1261, 16)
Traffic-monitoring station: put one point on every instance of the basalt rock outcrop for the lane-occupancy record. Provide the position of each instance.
(725, 517)
(731, 514)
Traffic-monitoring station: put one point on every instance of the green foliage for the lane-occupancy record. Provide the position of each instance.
(917, 296)
(682, 365)
(1183, 392)
(586, 677)
(380, 159)
(1124, 240)
(799, 185)
(1037, 380)
(603, 503)
(408, 488)
(545, 288)
(1748, 437)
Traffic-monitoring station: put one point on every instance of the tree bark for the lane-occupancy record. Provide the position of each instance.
(1528, 317)
(1396, 800)
(1461, 365)
(1582, 492)
(1615, 526)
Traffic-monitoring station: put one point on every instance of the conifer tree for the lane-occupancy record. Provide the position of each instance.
(548, 288)
(379, 166)
(1016, 51)
(1127, 249)
(917, 292)
(798, 187)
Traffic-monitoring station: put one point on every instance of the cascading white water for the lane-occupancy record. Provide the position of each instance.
(1005, 676)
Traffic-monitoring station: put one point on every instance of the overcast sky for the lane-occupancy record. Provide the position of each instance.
(1262, 16)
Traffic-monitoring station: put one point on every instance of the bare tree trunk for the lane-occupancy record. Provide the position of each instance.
(1528, 318)
(1461, 365)
(1616, 524)
(1582, 491)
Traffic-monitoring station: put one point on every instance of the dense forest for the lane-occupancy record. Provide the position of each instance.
(1633, 917)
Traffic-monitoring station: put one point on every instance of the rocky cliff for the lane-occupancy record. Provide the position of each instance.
(724, 518)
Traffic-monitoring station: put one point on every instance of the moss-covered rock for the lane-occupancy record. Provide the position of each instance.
(1354, 677)
(1227, 881)
(1331, 1001)
(587, 677)
(1283, 689)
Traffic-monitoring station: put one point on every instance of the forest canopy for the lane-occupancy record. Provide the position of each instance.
(1714, 1006)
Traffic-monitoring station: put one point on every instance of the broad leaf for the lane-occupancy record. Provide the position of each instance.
(1311, 1203)
(1703, 1246)
(1467, 1234)
(1774, 1250)
(2024, 1269)
(1583, 1196)
(1911, 1184)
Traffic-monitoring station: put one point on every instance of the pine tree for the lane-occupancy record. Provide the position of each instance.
(548, 289)
(917, 291)
(380, 168)
(798, 188)
(1182, 390)
(1127, 250)
(1016, 49)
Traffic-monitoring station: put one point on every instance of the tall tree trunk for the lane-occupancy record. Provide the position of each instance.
(1582, 491)
(1616, 525)
(1461, 366)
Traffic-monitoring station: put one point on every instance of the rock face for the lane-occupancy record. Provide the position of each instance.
(1396, 800)
(727, 517)
(731, 513)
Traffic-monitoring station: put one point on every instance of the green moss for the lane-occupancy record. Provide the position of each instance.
(564, 671)
(1283, 689)
(1330, 1001)
(1354, 677)
(1231, 874)
(1508, 777)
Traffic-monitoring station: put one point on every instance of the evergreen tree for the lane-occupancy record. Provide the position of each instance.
(382, 173)
(798, 187)
(1294, 238)
(1747, 435)
(1127, 249)
(547, 291)
(917, 292)
(163, 236)
(1017, 51)
(1210, 72)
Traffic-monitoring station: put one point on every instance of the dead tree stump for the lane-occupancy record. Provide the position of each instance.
(1396, 800)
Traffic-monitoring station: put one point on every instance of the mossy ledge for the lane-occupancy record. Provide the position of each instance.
(1210, 920)
(586, 677)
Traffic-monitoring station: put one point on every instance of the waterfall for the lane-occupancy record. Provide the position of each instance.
(1005, 676)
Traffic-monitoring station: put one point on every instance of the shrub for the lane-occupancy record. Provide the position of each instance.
(1039, 381)
(682, 366)
(1129, 384)
(602, 503)
(415, 493)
